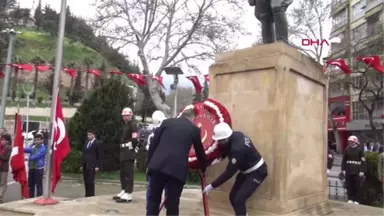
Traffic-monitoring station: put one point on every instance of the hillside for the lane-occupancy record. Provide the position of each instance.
(31, 44)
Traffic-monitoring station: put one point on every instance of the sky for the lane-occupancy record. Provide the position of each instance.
(84, 9)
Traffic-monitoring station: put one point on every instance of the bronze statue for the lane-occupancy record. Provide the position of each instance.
(269, 12)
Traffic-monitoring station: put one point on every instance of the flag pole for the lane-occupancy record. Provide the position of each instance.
(46, 199)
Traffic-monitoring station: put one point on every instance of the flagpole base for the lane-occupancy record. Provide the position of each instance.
(45, 201)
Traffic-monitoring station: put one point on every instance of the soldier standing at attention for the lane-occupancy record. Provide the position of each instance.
(128, 143)
(353, 167)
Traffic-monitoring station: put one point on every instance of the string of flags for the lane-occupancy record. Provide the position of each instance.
(139, 79)
(371, 61)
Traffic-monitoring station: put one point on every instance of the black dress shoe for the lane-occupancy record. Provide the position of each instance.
(116, 198)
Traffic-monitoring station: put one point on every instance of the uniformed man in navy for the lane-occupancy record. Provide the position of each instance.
(128, 144)
(243, 157)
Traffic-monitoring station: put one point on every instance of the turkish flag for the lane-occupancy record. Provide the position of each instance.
(206, 78)
(373, 62)
(61, 146)
(43, 68)
(340, 63)
(94, 72)
(17, 159)
(71, 72)
(196, 83)
(159, 79)
(137, 78)
(25, 67)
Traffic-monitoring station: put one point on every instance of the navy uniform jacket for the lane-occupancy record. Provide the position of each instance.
(242, 155)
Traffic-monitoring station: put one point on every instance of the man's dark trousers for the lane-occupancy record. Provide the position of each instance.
(35, 180)
(126, 175)
(175, 188)
(89, 174)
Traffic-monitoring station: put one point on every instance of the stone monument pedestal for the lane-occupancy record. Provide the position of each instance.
(278, 97)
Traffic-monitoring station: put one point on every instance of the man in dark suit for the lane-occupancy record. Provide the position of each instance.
(168, 160)
(92, 162)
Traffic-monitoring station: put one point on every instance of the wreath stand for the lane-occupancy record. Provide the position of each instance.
(205, 198)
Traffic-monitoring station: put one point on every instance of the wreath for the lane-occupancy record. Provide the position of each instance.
(218, 113)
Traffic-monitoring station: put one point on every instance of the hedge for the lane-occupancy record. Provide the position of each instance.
(372, 188)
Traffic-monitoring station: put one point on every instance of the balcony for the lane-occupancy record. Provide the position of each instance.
(336, 3)
(372, 4)
(357, 16)
(340, 24)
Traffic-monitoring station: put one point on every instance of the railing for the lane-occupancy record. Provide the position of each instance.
(336, 3)
(372, 3)
(336, 191)
(339, 24)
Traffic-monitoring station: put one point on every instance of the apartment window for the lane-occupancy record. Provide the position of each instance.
(358, 82)
(340, 17)
(359, 9)
(358, 111)
(359, 32)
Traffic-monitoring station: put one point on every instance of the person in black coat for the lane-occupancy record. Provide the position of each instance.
(92, 162)
(168, 160)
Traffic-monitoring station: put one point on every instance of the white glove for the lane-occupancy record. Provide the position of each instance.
(130, 146)
(330, 156)
(327, 171)
(343, 172)
(208, 189)
(361, 174)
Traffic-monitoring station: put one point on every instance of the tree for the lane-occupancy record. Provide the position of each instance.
(88, 62)
(205, 90)
(170, 33)
(101, 111)
(184, 97)
(38, 15)
(309, 20)
(36, 61)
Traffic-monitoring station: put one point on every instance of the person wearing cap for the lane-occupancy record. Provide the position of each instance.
(128, 143)
(353, 167)
(167, 163)
(244, 157)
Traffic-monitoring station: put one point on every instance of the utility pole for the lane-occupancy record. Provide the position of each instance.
(349, 47)
(46, 199)
(12, 35)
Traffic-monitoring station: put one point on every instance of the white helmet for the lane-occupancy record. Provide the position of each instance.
(158, 117)
(221, 131)
(127, 111)
(353, 139)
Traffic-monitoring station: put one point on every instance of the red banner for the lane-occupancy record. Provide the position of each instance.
(341, 123)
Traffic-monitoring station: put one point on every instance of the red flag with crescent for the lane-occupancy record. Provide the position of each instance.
(71, 72)
(340, 63)
(137, 78)
(61, 146)
(17, 159)
(159, 79)
(43, 68)
(196, 83)
(373, 62)
(94, 72)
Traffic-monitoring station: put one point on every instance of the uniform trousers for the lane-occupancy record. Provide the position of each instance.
(158, 183)
(353, 186)
(127, 175)
(243, 188)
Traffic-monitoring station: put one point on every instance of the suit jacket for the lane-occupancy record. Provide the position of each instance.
(169, 150)
(93, 156)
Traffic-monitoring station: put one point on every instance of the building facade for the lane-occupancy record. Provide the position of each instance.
(364, 27)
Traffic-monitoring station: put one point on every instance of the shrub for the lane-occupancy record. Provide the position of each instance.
(72, 162)
(372, 190)
(40, 99)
